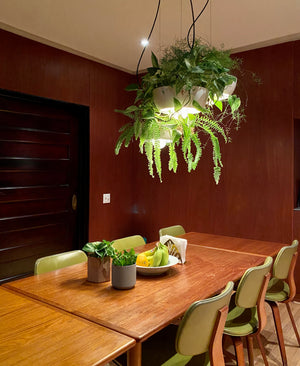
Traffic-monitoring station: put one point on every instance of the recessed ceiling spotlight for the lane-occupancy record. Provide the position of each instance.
(144, 42)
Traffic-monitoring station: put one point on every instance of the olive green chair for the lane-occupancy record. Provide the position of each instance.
(58, 261)
(282, 289)
(246, 316)
(128, 242)
(200, 332)
(175, 230)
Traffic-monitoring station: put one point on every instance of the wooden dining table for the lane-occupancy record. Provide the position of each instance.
(234, 244)
(33, 333)
(152, 304)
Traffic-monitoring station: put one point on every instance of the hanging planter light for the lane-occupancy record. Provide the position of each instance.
(187, 96)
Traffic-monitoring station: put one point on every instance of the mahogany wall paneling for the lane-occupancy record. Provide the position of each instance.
(36, 188)
(110, 173)
(296, 162)
(296, 79)
(33, 68)
(254, 198)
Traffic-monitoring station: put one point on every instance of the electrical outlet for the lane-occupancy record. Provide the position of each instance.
(106, 197)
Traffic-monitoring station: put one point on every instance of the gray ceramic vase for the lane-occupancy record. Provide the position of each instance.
(123, 277)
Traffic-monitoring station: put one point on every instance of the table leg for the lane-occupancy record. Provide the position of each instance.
(134, 355)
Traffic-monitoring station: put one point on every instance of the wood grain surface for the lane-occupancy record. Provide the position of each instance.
(33, 333)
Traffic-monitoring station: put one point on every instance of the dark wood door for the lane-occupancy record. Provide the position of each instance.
(41, 210)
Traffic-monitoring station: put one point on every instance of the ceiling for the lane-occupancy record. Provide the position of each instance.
(110, 31)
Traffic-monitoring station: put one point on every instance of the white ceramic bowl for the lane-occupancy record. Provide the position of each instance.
(155, 271)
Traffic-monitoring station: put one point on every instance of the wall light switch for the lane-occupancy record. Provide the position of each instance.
(106, 197)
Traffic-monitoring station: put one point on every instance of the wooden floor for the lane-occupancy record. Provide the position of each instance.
(270, 340)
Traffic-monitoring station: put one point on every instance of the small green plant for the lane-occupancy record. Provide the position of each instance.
(124, 258)
(99, 249)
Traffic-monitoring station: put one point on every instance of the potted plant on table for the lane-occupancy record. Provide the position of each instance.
(99, 263)
(124, 269)
(185, 98)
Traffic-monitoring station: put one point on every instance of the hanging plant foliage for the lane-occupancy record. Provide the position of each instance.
(184, 101)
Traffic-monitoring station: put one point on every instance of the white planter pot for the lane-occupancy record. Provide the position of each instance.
(163, 98)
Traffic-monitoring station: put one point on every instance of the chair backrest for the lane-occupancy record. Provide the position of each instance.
(283, 260)
(128, 242)
(58, 261)
(249, 287)
(195, 331)
(175, 230)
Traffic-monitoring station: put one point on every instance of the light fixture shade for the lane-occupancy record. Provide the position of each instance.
(163, 97)
(198, 94)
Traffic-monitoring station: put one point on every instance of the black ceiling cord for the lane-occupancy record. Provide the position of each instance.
(192, 27)
(194, 22)
(140, 59)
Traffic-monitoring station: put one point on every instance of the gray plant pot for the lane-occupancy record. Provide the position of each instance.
(123, 277)
(99, 269)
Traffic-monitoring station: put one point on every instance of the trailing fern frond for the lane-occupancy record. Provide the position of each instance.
(125, 137)
(157, 158)
(211, 124)
(198, 153)
(173, 162)
(149, 154)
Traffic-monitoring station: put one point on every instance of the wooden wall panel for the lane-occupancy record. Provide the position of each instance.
(297, 80)
(254, 198)
(109, 173)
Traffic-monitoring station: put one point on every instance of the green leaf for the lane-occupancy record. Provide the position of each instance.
(198, 106)
(219, 105)
(152, 70)
(187, 63)
(154, 60)
(197, 70)
(177, 104)
(234, 103)
(132, 87)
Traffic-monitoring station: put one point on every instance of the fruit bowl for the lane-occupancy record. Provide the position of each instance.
(155, 271)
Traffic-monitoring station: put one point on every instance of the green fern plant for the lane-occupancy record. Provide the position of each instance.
(181, 68)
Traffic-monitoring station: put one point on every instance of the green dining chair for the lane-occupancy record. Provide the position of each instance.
(246, 316)
(282, 289)
(175, 230)
(129, 242)
(58, 261)
(198, 336)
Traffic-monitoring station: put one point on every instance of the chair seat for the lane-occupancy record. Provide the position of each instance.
(278, 290)
(241, 322)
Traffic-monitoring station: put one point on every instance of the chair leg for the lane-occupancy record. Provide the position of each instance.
(279, 332)
(293, 322)
(239, 350)
(250, 350)
(262, 349)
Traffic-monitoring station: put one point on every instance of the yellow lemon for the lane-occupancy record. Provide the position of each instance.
(142, 260)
